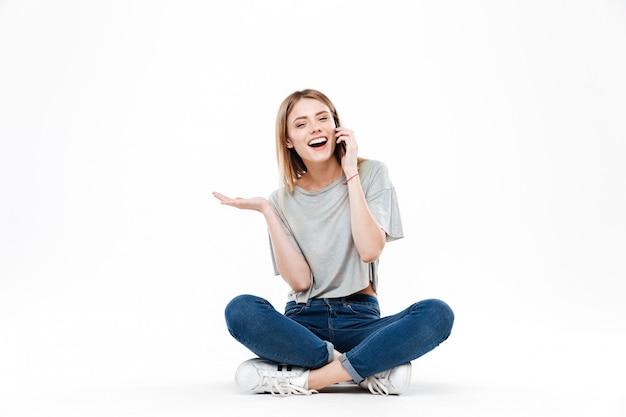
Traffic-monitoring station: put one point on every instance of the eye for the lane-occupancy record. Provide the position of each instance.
(300, 124)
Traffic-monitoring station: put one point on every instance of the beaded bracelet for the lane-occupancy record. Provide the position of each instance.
(348, 180)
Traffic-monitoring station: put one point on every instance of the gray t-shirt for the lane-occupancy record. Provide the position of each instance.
(318, 224)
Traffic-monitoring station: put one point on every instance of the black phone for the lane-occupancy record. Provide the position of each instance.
(342, 143)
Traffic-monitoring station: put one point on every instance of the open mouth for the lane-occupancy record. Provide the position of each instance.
(316, 143)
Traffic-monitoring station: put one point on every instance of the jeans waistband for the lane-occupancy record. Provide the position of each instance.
(354, 298)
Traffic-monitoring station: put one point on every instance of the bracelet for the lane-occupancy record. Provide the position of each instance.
(348, 180)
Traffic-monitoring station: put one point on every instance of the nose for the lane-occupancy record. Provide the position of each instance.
(315, 127)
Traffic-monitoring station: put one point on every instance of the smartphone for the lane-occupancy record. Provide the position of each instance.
(342, 144)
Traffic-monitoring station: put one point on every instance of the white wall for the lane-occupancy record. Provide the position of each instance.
(502, 124)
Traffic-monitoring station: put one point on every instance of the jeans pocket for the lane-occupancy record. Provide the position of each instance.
(293, 309)
(365, 309)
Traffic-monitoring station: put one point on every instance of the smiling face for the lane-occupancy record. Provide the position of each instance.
(311, 130)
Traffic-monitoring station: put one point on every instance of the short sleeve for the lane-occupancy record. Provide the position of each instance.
(381, 198)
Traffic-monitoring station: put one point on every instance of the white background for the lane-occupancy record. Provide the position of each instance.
(502, 123)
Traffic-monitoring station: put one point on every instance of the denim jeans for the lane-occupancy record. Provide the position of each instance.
(307, 333)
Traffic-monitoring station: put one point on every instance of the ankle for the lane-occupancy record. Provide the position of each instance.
(327, 375)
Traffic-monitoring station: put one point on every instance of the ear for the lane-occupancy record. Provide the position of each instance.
(289, 144)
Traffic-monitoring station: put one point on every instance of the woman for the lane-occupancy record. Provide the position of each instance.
(328, 223)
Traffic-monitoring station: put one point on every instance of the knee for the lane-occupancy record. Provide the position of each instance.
(441, 314)
(239, 309)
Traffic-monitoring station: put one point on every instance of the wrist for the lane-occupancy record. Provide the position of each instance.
(350, 178)
(266, 208)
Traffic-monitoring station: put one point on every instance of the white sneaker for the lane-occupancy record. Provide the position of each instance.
(391, 382)
(262, 376)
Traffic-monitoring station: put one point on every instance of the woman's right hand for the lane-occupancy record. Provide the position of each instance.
(254, 203)
(290, 264)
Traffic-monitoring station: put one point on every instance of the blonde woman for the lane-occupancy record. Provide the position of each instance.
(328, 222)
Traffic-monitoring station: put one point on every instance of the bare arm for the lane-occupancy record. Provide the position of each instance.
(367, 234)
(291, 265)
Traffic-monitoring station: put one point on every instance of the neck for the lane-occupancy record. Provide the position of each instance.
(320, 175)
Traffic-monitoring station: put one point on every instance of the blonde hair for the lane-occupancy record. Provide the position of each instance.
(290, 165)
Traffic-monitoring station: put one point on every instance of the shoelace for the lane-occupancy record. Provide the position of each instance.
(282, 387)
(377, 384)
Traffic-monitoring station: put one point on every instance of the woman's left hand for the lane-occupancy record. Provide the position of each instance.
(349, 160)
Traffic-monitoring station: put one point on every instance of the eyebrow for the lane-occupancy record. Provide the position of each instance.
(316, 114)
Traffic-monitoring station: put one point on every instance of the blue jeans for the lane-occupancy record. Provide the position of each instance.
(307, 333)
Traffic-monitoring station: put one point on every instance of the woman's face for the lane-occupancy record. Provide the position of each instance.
(311, 130)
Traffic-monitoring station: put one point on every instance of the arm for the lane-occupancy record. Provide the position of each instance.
(291, 265)
(368, 236)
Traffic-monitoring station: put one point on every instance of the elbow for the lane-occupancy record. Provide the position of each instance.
(371, 255)
(300, 286)
(369, 259)
(298, 279)
(299, 283)
(373, 248)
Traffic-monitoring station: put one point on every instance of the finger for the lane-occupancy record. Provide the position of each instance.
(343, 134)
(223, 199)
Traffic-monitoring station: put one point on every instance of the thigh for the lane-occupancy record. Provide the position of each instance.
(271, 335)
(402, 337)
